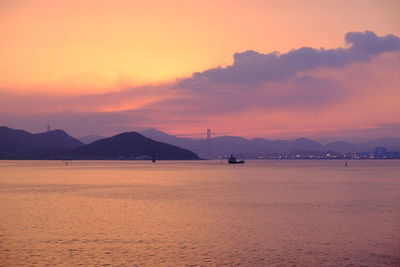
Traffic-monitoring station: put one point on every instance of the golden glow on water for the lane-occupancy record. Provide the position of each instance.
(177, 213)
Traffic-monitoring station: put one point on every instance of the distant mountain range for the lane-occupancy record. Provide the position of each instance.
(90, 138)
(57, 144)
(18, 144)
(225, 145)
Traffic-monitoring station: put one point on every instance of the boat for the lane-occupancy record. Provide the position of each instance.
(233, 160)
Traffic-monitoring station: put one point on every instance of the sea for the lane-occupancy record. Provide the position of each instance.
(200, 213)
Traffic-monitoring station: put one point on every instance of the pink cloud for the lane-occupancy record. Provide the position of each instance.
(353, 94)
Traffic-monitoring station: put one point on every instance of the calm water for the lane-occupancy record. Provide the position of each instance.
(99, 213)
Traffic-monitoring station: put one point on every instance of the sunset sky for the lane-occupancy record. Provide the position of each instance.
(271, 69)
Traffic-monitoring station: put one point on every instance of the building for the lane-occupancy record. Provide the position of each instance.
(380, 152)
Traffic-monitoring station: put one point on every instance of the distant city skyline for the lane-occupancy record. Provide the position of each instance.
(269, 69)
(58, 144)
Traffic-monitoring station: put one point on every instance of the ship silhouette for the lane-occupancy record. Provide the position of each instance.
(233, 160)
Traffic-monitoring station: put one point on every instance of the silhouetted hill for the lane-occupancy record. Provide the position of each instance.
(90, 138)
(305, 144)
(391, 143)
(173, 140)
(130, 145)
(225, 145)
(342, 147)
(155, 134)
(196, 145)
(18, 144)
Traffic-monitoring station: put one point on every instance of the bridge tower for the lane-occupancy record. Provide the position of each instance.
(208, 143)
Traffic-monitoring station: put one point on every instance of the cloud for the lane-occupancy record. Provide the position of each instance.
(303, 91)
(251, 67)
(365, 44)
(129, 98)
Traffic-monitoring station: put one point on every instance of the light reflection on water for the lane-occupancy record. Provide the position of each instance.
(99, 213)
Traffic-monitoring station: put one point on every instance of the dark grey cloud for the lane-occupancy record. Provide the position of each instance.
(364, 44)
(251, 67)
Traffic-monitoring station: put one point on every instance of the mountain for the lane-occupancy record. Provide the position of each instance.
(19, 144)
(198, 146)
(225, 145)
(155, 134)
(391, 144)
(342, 147)
(306, 144)
(90, 138)
(173, 140)
(57, 144)
(130, 145)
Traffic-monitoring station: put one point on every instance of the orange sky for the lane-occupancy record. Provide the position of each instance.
(83, 48)
(86, 46)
